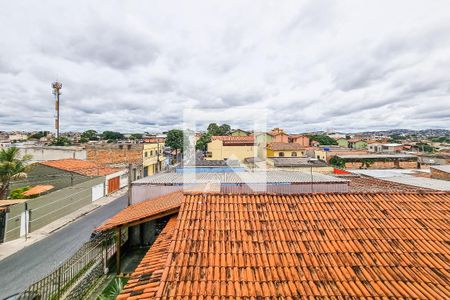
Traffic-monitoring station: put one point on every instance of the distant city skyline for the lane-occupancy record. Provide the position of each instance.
(314, 65)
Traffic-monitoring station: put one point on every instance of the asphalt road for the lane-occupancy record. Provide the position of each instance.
(28, 265)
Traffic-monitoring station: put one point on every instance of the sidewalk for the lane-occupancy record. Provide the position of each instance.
(11, 247)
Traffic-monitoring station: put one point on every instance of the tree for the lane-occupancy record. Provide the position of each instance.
(38, 135)
(203, 141)
(136, 136)
(89, 135)
(323, 139)
(175, 140)
(11, 168)
(61, 141)
(337, 162)
(112, 135)
(215, 129)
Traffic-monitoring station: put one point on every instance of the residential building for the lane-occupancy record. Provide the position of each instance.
(357, 144)
(304, 164)
(268, 246)
(276, 149)
(17, 137)
(59, 187)
(120, 155)
(239, 132)
(154, 160)
(231, 147)
(342, 142)
(273, 181)
(279, 136)
(379, 161)
(384, 147)
(299, 139)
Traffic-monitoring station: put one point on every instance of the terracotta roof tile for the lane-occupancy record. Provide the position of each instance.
(142, 210)
(145, 280)
(301, 246)
(284, 146)
(82, 167)
(38, 189)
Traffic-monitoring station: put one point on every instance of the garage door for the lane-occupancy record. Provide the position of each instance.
(113, 184)
(98, 191)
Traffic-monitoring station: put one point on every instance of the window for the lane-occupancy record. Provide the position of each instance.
(145, 153)
(294, 154)
(120, 146)
(208, 154)
(129, 147)
(280, 154)
(151, 152)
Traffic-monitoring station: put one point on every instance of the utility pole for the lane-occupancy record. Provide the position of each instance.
(130, 168)
(56, 91)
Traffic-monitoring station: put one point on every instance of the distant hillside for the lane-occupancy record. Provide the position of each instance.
(423, 132)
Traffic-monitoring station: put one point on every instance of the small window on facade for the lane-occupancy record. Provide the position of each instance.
(129, 147)
(120, 146)
(280, 154)
(294, 154)
(151, 152)
(145, 153)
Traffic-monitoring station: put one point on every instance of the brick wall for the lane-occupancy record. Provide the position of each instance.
(383, 165)
(438, 174)
(115, 154)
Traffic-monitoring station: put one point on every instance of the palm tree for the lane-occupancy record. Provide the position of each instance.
(12, 167)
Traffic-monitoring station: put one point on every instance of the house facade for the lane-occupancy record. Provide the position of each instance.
(153, 157)
(275, 149)
(231, 147)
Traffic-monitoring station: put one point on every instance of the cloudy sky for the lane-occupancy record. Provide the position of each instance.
(137, 65)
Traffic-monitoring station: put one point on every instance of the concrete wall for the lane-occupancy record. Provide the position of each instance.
(438, 174)
(43, 175)
(383, 165)
(44, 153)
(48, 208)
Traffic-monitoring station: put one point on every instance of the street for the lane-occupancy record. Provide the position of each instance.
(30, 264)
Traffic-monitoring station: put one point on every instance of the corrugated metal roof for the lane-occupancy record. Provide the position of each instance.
(435, 184)
(238, 177)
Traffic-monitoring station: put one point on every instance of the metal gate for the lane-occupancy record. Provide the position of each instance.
(2, 224)
(113, 184)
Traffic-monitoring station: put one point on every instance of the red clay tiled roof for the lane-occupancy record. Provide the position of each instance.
(82, 167)
(229, 138)
(145, 280)
(143, 210)
(304, 246)
(38, 189)
(285, 146)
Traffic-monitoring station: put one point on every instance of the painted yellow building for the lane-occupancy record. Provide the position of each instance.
(231, 147)
(285, 150)
(153, 158)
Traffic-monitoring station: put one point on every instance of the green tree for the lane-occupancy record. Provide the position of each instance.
(136, 136)
(323, 139)
(337, 162)
(89, 135)
(424, 147)
(39, 134)
(112, 135)
(215, 129)
(11, 168)
(175, 140)
(203, 141)
(61, 141)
